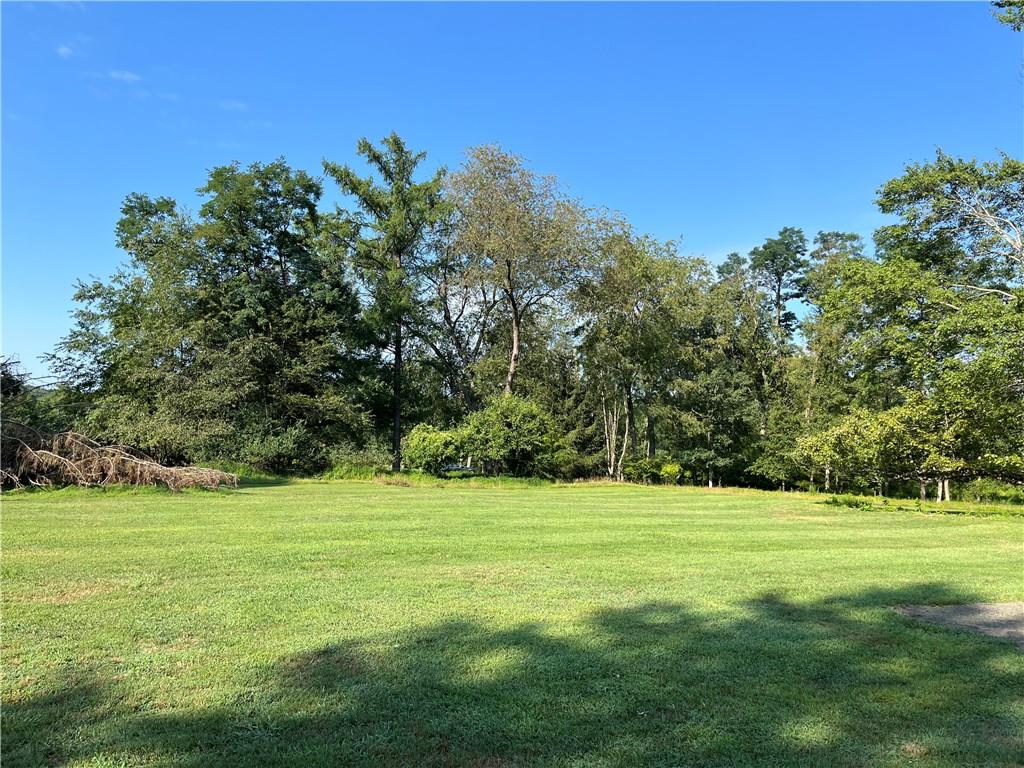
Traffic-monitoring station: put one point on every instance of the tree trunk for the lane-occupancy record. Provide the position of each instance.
(396, 434)
(924, 490)
(631, 440)
(938, 489)
(622, 454)
(651, 437)
(611, 436)
(711, 482)
(810, 391)
(828, 478)
(945, 489)
(513, 358)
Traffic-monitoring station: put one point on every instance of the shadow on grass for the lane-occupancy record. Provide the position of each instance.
(263, 481)
(844, 681)
(885, 504)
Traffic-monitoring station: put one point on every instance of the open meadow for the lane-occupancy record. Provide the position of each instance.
(399, 385)
(358, 623)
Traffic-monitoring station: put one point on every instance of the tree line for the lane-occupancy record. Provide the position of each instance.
(484, 318)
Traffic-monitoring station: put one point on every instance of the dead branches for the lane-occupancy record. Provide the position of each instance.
(69, 458)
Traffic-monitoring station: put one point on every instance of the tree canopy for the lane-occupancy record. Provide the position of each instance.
(485, 318)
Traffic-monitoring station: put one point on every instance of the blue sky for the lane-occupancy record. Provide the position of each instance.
(714, 124)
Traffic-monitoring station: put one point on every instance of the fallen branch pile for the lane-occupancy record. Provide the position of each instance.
(69, 458)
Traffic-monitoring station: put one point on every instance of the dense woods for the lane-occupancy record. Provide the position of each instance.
(484, 320)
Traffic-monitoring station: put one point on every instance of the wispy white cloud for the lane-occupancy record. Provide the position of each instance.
(65, 51)
(124, 76)
(233, 105)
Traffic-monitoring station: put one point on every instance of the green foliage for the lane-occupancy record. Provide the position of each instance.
(652, 470)
(983, 490)
(510, 435)
(41, 408)
(779, 265)
(569, 463)
(247, 474)
(432, 449)
(278, 452)
(853, 502)
(393, 223)
(230, 336)
(671, 472)
(642, 469)
(347, 461)
(524, 240)
(267, 331)
(1010, 13)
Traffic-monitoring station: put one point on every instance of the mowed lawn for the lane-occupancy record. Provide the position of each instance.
(332, 624)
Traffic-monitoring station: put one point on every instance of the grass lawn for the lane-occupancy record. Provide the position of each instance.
(315, 624)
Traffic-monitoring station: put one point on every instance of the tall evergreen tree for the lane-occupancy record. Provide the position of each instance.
(778, 265)
(394, 218)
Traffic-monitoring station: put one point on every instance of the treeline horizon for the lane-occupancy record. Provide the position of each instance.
(485, 318)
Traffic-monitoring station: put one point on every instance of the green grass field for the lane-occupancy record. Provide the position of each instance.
(315, 624)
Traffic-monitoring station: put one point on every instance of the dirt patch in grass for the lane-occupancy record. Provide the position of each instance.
(914, 749)
(485, 574)
(1000, 620)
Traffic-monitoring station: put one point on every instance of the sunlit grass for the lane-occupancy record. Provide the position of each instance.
(348, 623)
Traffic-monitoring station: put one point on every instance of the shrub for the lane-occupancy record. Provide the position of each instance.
(432, 449)
(671, 472)
(642, 469)
(993, 491)
(279, 452)
(846, 500)
(567, 463)
(349, 461)
(511, 435)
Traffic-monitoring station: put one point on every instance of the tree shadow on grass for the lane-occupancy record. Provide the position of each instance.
(844, 681)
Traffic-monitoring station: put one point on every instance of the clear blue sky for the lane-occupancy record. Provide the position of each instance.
(717, 124)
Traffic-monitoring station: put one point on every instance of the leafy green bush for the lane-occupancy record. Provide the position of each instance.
(279, 452)
(984, 490)
(671, 472)
(643, 469)
(568, 463)
(352, 462)
(854, 502)
(512, 436)
(432, 449)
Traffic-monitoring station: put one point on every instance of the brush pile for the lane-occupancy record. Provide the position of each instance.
(30, 458)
